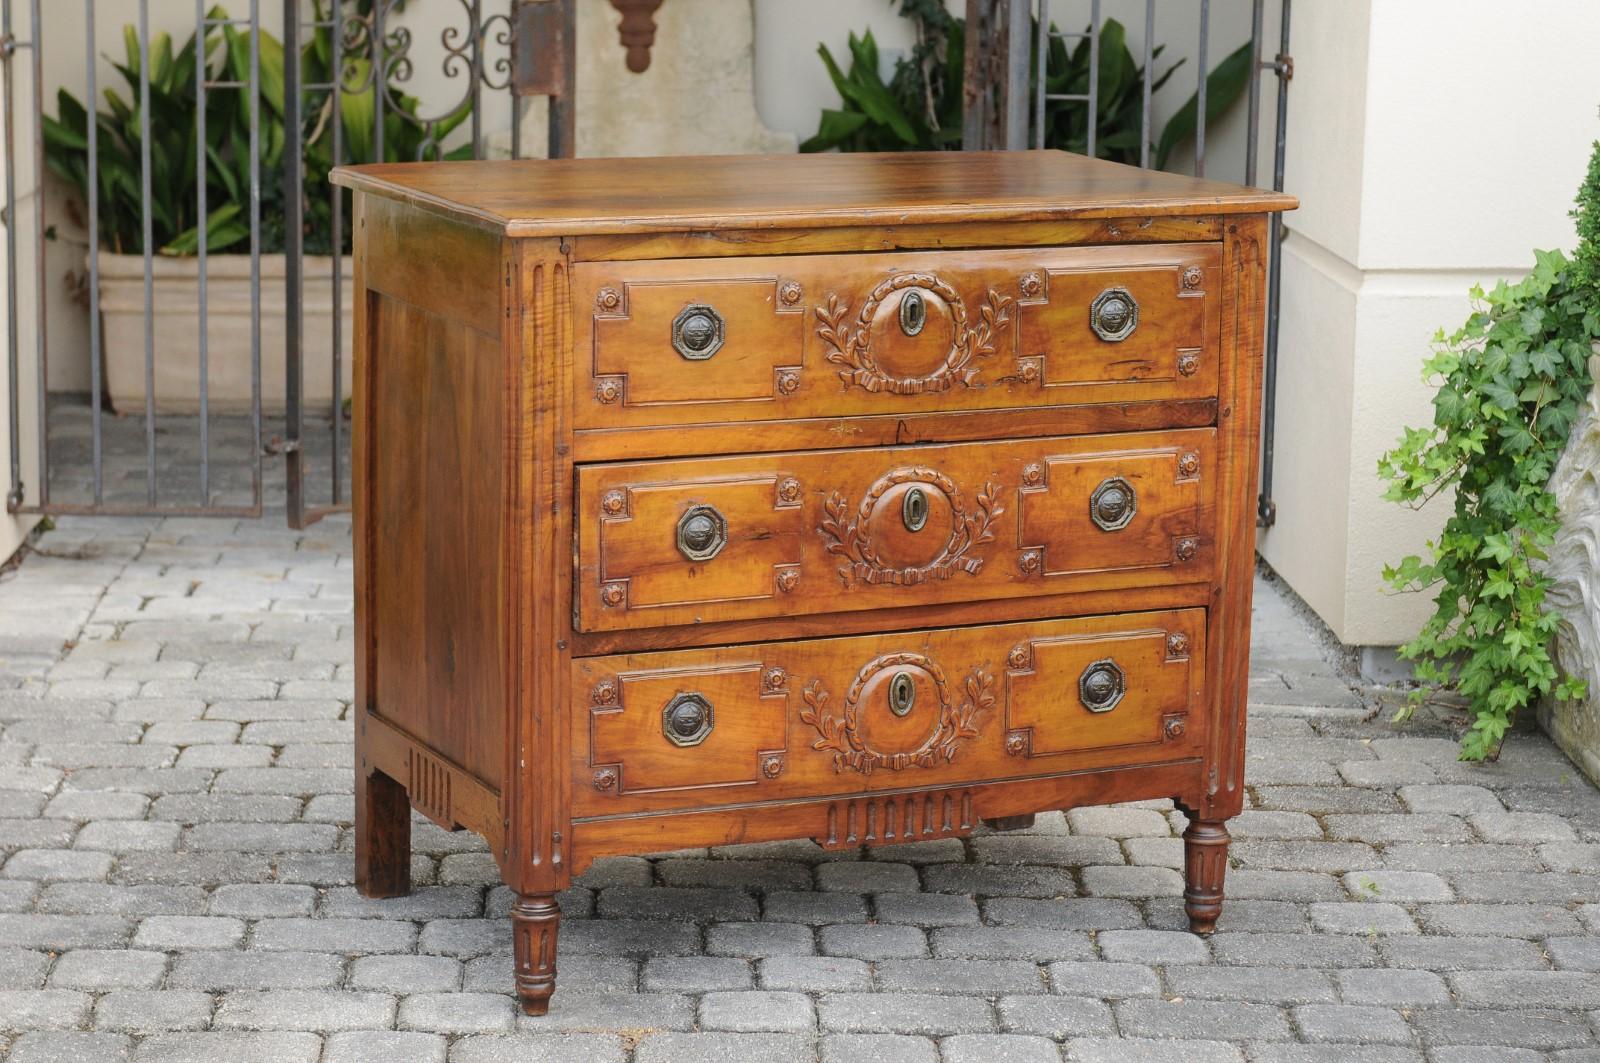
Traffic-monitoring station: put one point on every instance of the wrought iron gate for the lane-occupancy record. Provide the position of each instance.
(260, 123)
(253, 212)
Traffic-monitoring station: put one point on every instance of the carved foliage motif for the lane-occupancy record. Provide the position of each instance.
(852, 347)
(850, 538)
(842, 735)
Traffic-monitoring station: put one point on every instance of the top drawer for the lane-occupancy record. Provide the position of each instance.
(747, 339)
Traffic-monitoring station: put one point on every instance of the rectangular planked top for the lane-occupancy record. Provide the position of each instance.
(578, 197)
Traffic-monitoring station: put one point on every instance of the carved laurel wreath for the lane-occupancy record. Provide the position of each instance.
(852, 349)
(842, 736)
(850, 540)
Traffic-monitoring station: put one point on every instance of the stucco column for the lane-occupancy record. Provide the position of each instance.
(1433, 144)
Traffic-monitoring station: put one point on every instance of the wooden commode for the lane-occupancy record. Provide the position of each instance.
(858, 498)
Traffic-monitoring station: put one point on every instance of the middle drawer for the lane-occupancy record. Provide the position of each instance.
(712, 539)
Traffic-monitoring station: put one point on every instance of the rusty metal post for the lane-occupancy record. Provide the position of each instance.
(544, 63)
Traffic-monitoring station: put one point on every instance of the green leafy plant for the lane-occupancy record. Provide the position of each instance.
(175, 139)
(1510, 382)
(920, 107)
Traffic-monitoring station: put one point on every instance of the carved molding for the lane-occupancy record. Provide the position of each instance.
(852, 348)
(887, 819)
(849, 537)
(842, 735)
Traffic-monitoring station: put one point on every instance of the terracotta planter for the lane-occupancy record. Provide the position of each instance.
(176, 309)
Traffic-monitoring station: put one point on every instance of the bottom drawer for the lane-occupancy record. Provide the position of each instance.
(769, 722)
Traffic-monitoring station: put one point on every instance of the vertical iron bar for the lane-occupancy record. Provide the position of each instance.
(255, 251)
(150, 488)
(1200, 94)
(476, 71)
(336, 127)
(200, 76)
(94, 255)
(1019, 19)
(1266, 508)
(563, 127)
(1094, 75)
(1041, 62)
(8, 51)
(1253, 126)
(293, 239)
(1149, 80)
(380, 75)
(40, 331)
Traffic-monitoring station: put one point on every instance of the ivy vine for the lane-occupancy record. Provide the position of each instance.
(1510, 382)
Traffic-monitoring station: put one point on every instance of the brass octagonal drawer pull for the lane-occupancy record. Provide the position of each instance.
(702, 533)
(1113, 504)
(697, 332)
(1102, 685)
(1114, 315)
(687, 719)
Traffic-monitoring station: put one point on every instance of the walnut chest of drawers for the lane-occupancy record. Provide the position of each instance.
(857, 498)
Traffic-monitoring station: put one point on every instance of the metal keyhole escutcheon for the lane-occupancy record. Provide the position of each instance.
(702, 533)
(913, 312)
(914, 509)
(902, 693)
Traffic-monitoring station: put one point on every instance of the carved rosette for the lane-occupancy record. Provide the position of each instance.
(787, 381)
(1188, 363)
(1192, 276)
(1031, 284)
(608, 389)
(774, 681)
(1188, 464)
(788, 491)
(851, 348)
(607, 300)
(1186, 548)
(1030, 370)
(844, 736)
(1174, 728)
(1017, 744)
(788, 578)
(1177, 645)
(1030, 561)
(789, 293)
(613, 594)
(772, 765)
(850, 536)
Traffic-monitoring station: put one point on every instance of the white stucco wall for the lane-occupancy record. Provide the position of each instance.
(14, 529)
(1433, 145)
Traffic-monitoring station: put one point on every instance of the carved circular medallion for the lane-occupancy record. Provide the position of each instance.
(1175, 728)
(608, 299)
(788, 579)
(1188, 463)
(773, 680)
(1188, 362)
(912, 526)
(1032, 475)
(789, 489)
(1020, 656)
(1177, 644)
(605, 692)
(900, 712)
(608, 389)
(788, 382)
(612, 502)
(1016, 743)
(772, 766)
(911, 301)
(1192, 277)
(789, 292)
(1030, 561)
(1186, 549)
(612, 594)
(605, 779)
(1031, 285)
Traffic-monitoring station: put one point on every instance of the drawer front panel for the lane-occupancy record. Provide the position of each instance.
(705, 540)
(713, 340)
(886, 712)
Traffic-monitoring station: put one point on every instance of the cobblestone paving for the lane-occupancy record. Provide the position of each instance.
(175, 797)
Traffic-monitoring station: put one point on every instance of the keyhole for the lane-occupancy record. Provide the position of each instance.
(902, 692)
(913, 312)
(914, 509)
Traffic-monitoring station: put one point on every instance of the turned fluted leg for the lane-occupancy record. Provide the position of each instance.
(1205, 863)
(383, 836)
(535, 918)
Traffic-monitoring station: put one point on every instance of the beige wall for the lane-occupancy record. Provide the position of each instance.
(1433, 144)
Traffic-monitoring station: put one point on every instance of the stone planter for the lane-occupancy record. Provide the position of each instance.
(176, 309)
(1574, 569)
